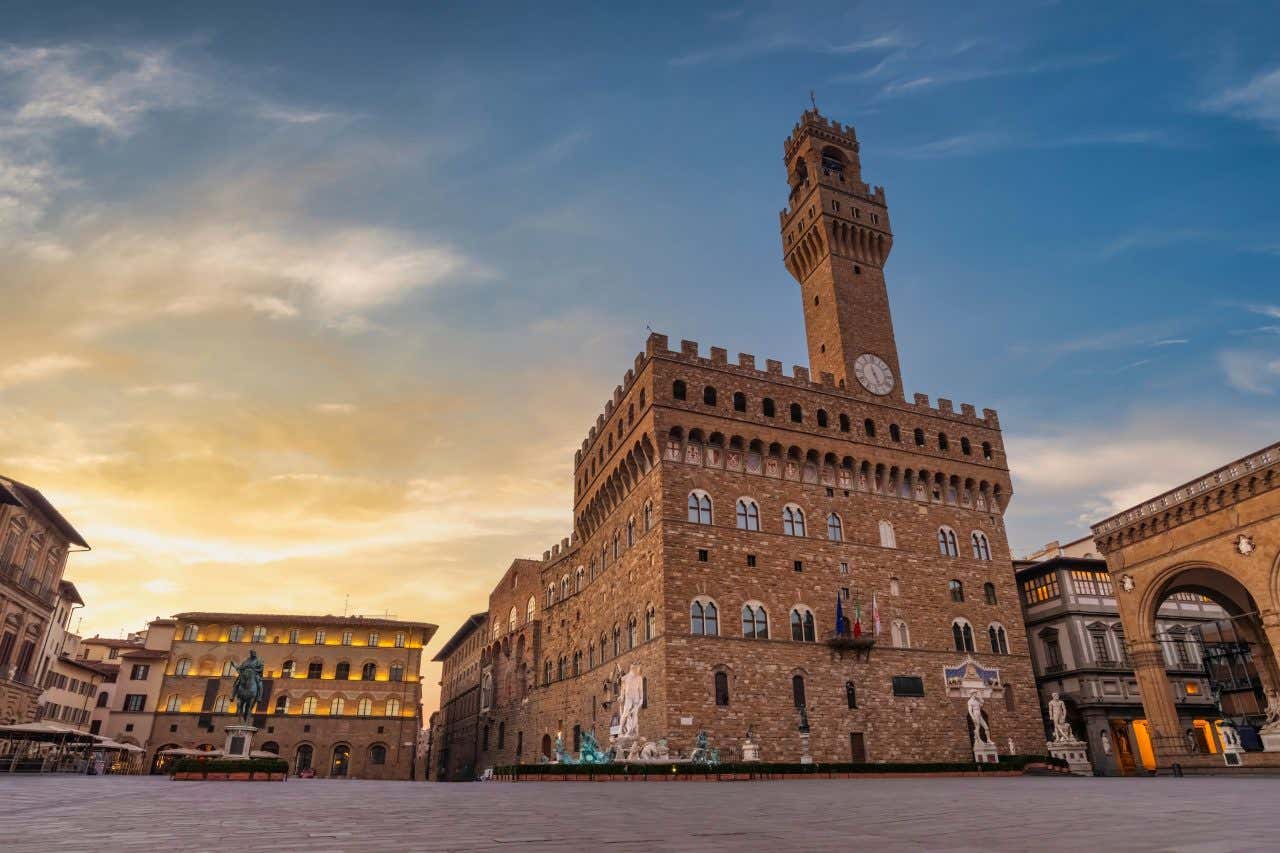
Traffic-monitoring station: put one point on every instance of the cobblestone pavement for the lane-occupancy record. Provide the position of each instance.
(1204, 815)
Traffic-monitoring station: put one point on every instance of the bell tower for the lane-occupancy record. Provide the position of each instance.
(835, 241)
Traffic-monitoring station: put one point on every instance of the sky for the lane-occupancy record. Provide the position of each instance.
(307, 307)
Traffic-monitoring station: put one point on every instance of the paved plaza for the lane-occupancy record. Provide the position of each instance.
(1204, 815)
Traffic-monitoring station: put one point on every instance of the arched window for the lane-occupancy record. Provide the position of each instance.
(259, 634)
(869, 426)
(282, 704)
(966, 447)
(564, 580)
(633, 632)
(377, 754)
(551, 594)
(850, 694)
(617, 640)
(835, 529)
(103, 697)
(704, 618)
(894, 586)
(577, 579)
(844, 423)
(393, 707)
(822, 417)
(336, 706)
(803, 629)
(900, 634)
(396, 673)
(315, 669)
(919, 436)
(767, 407)
(650, 622)
(722, 689)
(986, 450)
(190, 633)
(373, 635)
(530, 609)
(797, 690)
(999, 640)
(369, 671)
(709, 396)
(895, 432)
(546, 671)
(512, 617)
(229, 669)
(364, 707)
(678, 389)
(631, 533)
(947, 546)
(183, 667)
(347, 637)
(981, 550)
(342, 671)
(755, 621)
(748, 514)
(235, 634)
(309, 705)
(303, 761)
(648, 516)
(221, 704)
(739, 401)
(792, 520)
(887, 537)
(962, 635)
(699, 507)
(174, 704)
(989, 592)
(956, 588)
(943, 444)
(797, 414)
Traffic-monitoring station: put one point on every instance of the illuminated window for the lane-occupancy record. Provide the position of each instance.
(346, 638)
(369, 671)
(373, 635)
(183, 667)
(235, 634)
(259, 634)
(174, 704)
(364, 707)
(320, 637)
(393, 707)
(1040, 588)
(336, 706)
(190, 632)
(309, 705)
(282, 705)
(221, 704)
(1192, 688)
(1086, 582)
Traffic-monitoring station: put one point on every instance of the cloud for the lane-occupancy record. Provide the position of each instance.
(986, 142)
(1258, 100)
(756, 46)
(39, 368)
(1251, 371)
(335, 408)
(176, 390)
(160, 586)
(1170, 342)
(952, 76)
(1266, 310)
(273, 306)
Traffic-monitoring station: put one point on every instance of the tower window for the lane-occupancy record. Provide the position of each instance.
(797, 415)
(709, 395)
(942, 441)
(857, 270)
(844, 423)
(678, 389)
(739, 401)
(767, 407)
(822, 417)
(870, 427)
(919, 434)
(895, 434)
(815, 300)
(986, 450)
(965, 447)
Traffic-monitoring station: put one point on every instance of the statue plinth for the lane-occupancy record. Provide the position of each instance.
(1075, 753)
(239, 741)
(750, 750)
(985, 752)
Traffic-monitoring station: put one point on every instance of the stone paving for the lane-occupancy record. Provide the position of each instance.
(1196, 815)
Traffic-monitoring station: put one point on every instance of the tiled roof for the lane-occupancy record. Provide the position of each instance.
(293, 619)
(20, 494)
(474, 621)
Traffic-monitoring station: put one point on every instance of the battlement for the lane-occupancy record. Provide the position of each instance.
(815, 123)
(619, 392)
(657, 346)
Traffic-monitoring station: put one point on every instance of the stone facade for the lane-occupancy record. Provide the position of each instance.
(455, 736)
(1217, 536)
(706, 483)
(342, 693)
(34, 542)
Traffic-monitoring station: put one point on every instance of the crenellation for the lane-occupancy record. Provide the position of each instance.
(773, 366)
(656, 344)
(689, 348)
(944, 406)
(747, 361)
(719, 355)
(967, 411)
(990, 418)
(922, 401)
(828, 379)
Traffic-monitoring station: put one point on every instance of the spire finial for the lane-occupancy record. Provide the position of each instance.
(812, 101)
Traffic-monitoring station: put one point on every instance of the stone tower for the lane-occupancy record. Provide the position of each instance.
(835, 240)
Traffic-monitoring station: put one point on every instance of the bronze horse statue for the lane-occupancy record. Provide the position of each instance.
(247, 690)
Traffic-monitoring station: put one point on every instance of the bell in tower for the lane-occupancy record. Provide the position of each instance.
(835, 241)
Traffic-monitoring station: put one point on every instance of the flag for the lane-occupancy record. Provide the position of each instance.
(839, 616)
(875, 614)
(857, 620)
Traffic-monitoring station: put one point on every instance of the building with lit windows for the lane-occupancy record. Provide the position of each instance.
(455, 730)
(35, 540)
(813, 555)
(342, 694)
(1078, 650)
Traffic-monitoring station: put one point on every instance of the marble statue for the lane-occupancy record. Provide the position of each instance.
(981, 731)
(632, 695)
(1058, 716)
(247, 689)
(562, 756)
(1106, 742)
(1272, 722)
(655, 750)
(1013, 750)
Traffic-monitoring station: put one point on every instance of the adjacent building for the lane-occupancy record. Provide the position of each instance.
(35, 540)
(1078, 650)
(70, 685)
(455, 733)
(342, 694)
(810, 555)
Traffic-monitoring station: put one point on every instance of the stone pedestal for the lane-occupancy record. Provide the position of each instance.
(239, 741)
(985, 752)
(1075, 753)
(805, 757)
(1270, 740)
(750, 751)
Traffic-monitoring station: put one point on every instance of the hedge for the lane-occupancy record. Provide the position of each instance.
(759, 768)
(231, 765)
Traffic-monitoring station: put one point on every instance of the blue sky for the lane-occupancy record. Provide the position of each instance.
(448, 225)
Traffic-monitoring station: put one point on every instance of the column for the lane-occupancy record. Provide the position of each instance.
(1157, 701)
(1267, 659)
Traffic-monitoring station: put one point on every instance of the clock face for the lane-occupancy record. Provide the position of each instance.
(873, 373)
